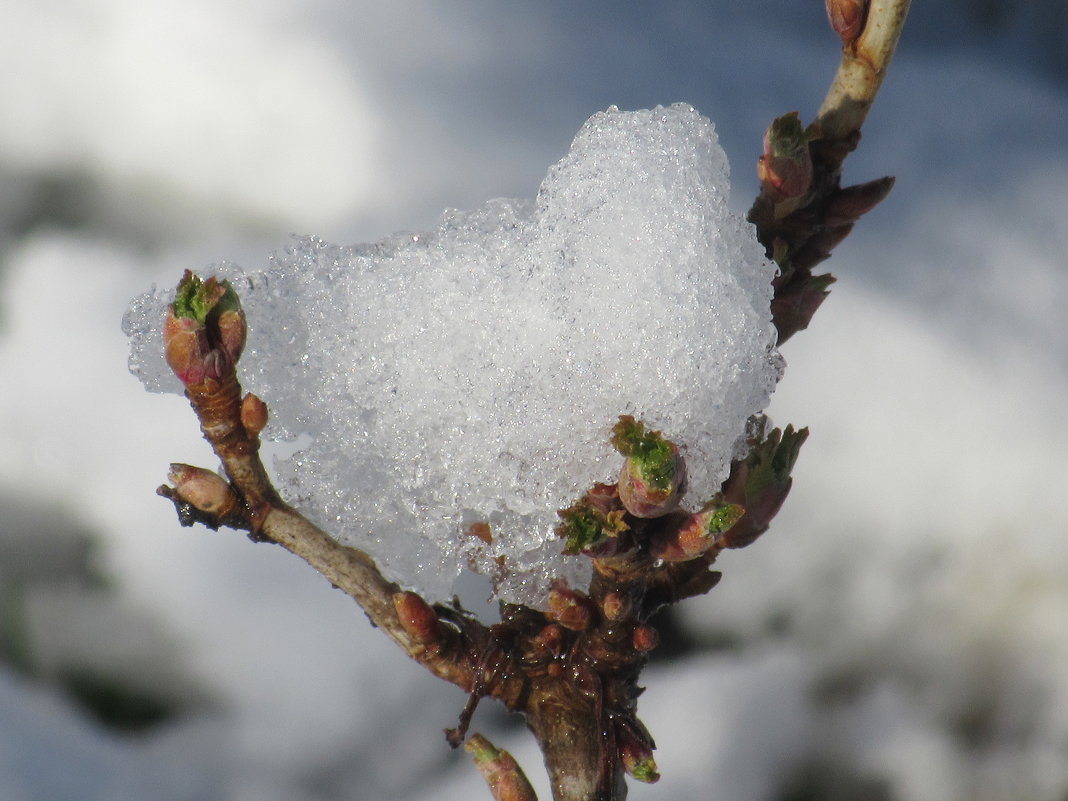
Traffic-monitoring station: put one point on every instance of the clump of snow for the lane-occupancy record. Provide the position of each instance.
(473, 373)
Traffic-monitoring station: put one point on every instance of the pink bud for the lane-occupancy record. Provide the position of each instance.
(502, 773)
(653, 478)
(204, 490)
(204, 332)
(785, 167)
(847, 17)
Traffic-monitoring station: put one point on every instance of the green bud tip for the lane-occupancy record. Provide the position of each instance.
(653, 456)
(584, 526)
(197, 299)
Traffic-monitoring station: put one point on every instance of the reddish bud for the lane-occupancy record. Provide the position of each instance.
(785, 167)
(847, 18)
(653, 478)
(204, 490)
(416, 617)
(505, 778)
(687, 536)
(253, 414)
(636, 750)
(570, 608)
(205, 331)
(644, 638)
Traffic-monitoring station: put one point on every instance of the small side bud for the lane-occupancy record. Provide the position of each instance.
(505, 778)
(644, 638)
(687, 536)
(204, 490)
(636, 750)
(847, 18)
(653, 477)
(785, 167)
(416, 617)
(570, 608)
(253, 414)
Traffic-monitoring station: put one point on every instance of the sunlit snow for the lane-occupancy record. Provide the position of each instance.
(473, 373)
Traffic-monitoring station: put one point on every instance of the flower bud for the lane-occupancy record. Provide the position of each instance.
(571, 609)
(204, 332)
(687, 536)
(644, 638)
(416, 617)
(206, 491)
(653, 477)
(847, 17)
(505, 778)
(253, 414)
(785, 167)
(636, 750)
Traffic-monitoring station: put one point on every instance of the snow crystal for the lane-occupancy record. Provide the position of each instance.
(473, 373)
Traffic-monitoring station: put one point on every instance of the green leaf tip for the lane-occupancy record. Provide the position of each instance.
(197, 299)
(652, 455)
(585, 526)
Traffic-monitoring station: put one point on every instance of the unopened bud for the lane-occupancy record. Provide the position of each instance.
(653, 477)
(505, 778)
(571, 609)
(847, 18)
(253, 414)
(416, 617)
(785, 167)
(205, 331)
(644, 638)
(687, 536)
(636, 750)
(204, 490)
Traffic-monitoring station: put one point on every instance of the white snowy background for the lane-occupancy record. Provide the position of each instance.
(901, 633)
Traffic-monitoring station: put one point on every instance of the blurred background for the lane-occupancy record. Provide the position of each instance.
(900, 633)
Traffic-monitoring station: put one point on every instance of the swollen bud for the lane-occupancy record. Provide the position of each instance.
(785, 167)
(690, 535)
(636, 750)
(416, 617)
(653, 477)
(847, 18)
(204, 332)
(570, 608)
(505, 778)
(253, 414)
(204, 490)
